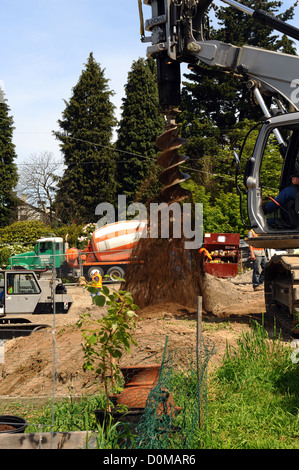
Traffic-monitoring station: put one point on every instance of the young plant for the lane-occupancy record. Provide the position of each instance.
(106, 339)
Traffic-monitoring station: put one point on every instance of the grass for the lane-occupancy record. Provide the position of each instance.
(69, 415)
(252, 403)
(253, 396)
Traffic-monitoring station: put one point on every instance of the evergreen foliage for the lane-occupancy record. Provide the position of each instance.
(223, 99)
(24, 232)
(8, 169)
(87, 124)
(139, 127)
(239, 28)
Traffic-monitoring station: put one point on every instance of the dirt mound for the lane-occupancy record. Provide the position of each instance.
(224, 297)
(165, 310)
(164, 272)
(28, 367)
(167, 273)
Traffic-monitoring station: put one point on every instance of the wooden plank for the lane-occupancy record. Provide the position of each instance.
(45, 440)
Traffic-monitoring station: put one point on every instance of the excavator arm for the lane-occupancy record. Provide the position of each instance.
(177, 35)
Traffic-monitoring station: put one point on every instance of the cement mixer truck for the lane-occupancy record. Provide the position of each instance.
(108, 252)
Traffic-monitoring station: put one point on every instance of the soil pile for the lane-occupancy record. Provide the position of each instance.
(164, 272)
(28, 367)
(225, 297)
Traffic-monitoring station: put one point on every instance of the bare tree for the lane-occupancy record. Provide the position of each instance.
(38, 177)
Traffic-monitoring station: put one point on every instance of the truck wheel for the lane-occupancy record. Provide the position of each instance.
(115, 271)
(93, 270)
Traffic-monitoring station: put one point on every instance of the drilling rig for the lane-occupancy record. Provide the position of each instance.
(175, 35)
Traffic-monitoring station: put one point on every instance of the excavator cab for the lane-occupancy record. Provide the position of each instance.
(263, 182)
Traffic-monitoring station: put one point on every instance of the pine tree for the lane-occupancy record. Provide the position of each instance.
(240, 29)
(224, 99)
(139, 127)
(87, 125)
(8, 169)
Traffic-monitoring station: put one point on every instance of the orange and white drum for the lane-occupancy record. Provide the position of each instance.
(115, 242)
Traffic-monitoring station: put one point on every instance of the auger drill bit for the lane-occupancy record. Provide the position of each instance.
(170, 159)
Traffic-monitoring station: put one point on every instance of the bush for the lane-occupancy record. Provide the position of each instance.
(20, 237)
(23, 232)
(77, 235)
(9, 250)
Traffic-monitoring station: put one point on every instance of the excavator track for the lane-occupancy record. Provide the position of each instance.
(14, 327)
(282, 291)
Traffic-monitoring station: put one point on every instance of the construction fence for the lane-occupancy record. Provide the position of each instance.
(42, 382)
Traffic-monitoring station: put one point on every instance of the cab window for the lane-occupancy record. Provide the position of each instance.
(22, 284)
(45, 246)
(1, 287)
(271, 167)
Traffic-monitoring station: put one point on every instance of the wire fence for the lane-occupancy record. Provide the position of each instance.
(44, 389)
(42, 382)
(176, 408)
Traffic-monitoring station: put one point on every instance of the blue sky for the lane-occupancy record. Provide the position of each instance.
(44, 46)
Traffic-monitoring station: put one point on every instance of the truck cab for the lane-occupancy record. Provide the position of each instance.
(48, 252)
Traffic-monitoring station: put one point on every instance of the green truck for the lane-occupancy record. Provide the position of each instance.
(48, 252)
(108, 252)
